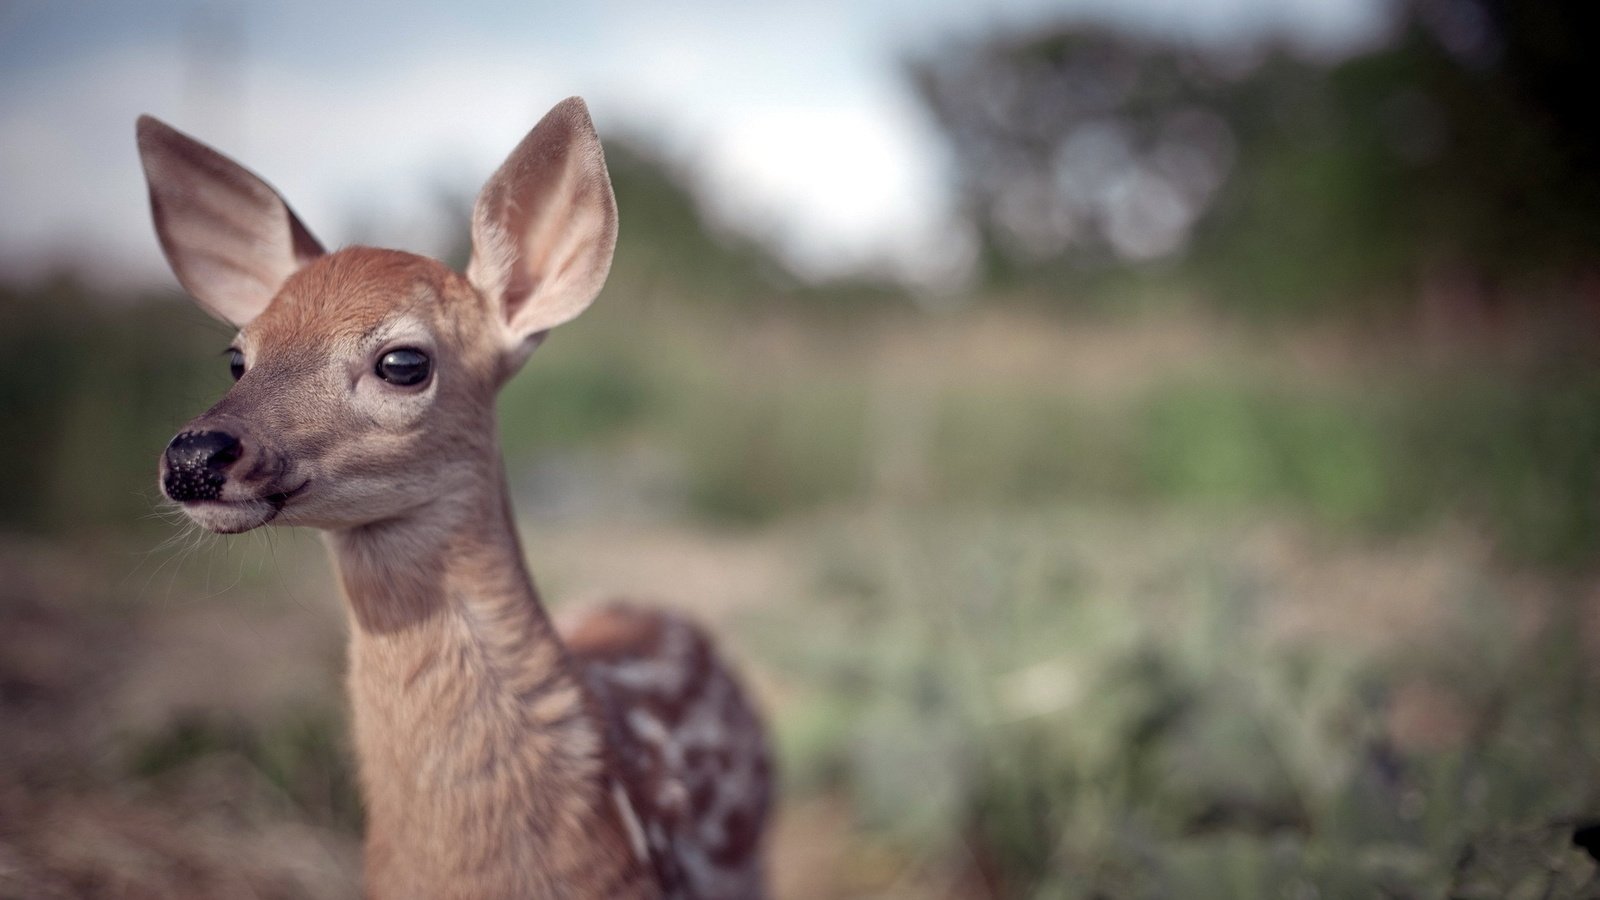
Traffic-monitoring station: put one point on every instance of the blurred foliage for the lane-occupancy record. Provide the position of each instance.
(306, 758)
(754, 455)
(1515, 453)
(587, 391)
(92, 390)
(1511, 454)
(664, 239)
(995, 702)
(100, 388)
(1457, 160)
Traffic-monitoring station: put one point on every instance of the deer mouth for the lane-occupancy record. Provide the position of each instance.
(239, 515)
(281, 499)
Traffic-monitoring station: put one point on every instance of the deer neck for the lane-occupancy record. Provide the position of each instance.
(481, 766)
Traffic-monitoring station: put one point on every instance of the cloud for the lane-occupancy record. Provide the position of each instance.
(842, 184)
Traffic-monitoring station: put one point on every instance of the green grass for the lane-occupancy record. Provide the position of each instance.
(988, 697)
(579, 392)
(1512, 454)
(303, 756)
(753, 455)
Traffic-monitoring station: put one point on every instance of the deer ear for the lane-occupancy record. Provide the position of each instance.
(545, 226)
(228, 236)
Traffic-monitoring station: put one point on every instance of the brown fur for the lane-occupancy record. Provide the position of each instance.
(495, 762)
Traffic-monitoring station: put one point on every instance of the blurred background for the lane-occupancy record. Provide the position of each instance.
(1134, 449)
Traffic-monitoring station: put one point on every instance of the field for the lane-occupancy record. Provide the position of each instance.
(1038, 606)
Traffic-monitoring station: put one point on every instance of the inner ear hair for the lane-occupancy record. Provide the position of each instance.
(545, 226)
(230, 239)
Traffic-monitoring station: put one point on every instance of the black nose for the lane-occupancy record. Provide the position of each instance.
(197, 463)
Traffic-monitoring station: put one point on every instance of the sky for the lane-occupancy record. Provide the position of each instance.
(793, 118)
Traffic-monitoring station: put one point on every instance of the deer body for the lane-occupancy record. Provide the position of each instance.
(496, 759)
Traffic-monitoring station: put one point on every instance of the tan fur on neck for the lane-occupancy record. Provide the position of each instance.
(482, 769)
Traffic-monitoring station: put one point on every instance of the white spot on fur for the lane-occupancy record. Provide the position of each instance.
(630, 821)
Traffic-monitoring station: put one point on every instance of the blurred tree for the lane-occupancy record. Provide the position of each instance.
(1455, 162)
(1080, 144)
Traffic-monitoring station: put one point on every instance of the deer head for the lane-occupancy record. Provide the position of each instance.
(365, 378)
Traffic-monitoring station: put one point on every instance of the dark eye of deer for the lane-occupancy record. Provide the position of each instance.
(405, 367)
(235, 363)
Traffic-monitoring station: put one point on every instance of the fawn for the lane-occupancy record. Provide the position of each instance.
(497, 758)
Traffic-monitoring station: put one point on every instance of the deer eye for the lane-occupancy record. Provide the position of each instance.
(404, 367)
(235, 363)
